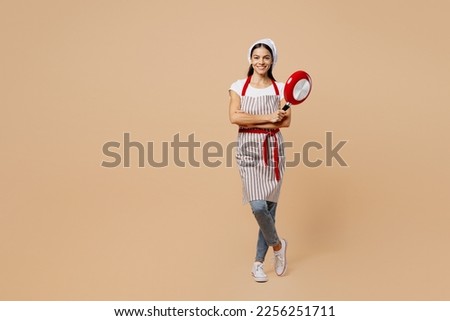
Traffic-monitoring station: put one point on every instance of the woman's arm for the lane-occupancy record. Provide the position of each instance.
(242, 119)
(285, 122)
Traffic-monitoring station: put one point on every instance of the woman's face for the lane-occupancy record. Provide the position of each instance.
(261, 60)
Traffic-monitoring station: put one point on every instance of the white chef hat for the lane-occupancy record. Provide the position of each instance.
(267, 42)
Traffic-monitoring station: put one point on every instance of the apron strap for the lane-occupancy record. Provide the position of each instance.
(247, 82)
(276, 88)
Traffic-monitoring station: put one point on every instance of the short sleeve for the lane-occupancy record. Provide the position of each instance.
(237, 86)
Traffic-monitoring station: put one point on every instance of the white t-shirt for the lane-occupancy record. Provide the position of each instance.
(255, 92)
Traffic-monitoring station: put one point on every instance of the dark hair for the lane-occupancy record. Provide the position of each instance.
(250, 69)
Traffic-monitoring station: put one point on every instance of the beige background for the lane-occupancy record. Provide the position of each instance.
(77, 74)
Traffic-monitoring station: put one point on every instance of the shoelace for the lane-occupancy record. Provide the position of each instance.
(279, 260)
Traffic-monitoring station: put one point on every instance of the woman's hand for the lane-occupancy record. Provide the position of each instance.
(278, 116)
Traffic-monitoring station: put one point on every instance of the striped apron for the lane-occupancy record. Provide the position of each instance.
(260, 153)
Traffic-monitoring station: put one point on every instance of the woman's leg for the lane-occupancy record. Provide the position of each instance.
(261, 248)
(264, 213)
(261, 245)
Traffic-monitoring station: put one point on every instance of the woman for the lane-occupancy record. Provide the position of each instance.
(256, 107)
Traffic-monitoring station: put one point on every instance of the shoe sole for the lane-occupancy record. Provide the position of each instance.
(260, 280)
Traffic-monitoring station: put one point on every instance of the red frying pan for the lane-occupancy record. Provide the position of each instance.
(297, 88)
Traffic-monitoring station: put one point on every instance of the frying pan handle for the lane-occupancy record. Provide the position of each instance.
(286, 107)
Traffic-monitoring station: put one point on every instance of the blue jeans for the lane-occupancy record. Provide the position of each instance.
(264, 212)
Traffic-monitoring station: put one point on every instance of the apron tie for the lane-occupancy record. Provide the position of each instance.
(269, 133)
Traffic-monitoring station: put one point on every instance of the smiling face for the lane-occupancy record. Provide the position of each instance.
(261, 60)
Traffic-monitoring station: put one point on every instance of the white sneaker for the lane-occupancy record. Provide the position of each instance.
(258, 272)
(280, 259)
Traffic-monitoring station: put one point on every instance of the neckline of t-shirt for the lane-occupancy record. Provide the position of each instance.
(271, 85)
